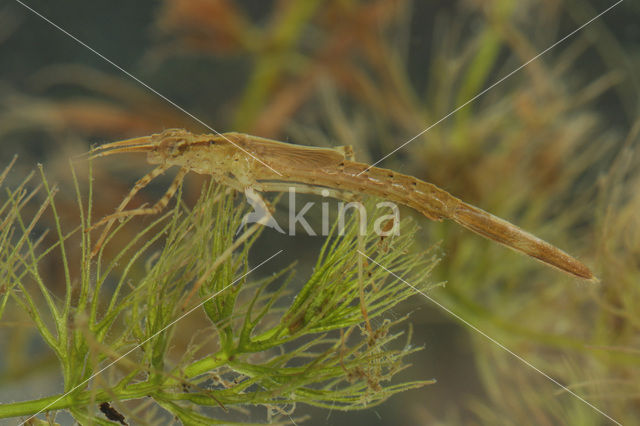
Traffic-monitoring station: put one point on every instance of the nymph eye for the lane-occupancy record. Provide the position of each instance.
(173, 148)
(179, 148)
(212, 142)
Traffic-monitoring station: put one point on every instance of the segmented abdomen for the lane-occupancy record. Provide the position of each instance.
(436, 204)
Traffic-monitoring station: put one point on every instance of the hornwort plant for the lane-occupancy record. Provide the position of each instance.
(133, 345)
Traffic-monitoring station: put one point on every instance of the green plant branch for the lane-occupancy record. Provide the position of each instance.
(252, 322)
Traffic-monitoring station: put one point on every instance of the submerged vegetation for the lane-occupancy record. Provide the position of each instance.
(258, 343)
(553, 148)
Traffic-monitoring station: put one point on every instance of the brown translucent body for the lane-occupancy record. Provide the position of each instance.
(247, 162)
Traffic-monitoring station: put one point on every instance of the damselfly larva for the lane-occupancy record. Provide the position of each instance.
(253, 164)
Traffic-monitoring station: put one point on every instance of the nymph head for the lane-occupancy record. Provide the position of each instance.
(172, 147)
(168, 145)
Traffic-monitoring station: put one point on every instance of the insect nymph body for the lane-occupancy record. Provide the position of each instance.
(253, 164)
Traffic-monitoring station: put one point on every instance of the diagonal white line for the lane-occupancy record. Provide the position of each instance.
(152, 336)
(493, 85)
(143, 84)
(494, 341)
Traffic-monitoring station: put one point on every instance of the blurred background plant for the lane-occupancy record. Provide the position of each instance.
(553, 149)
